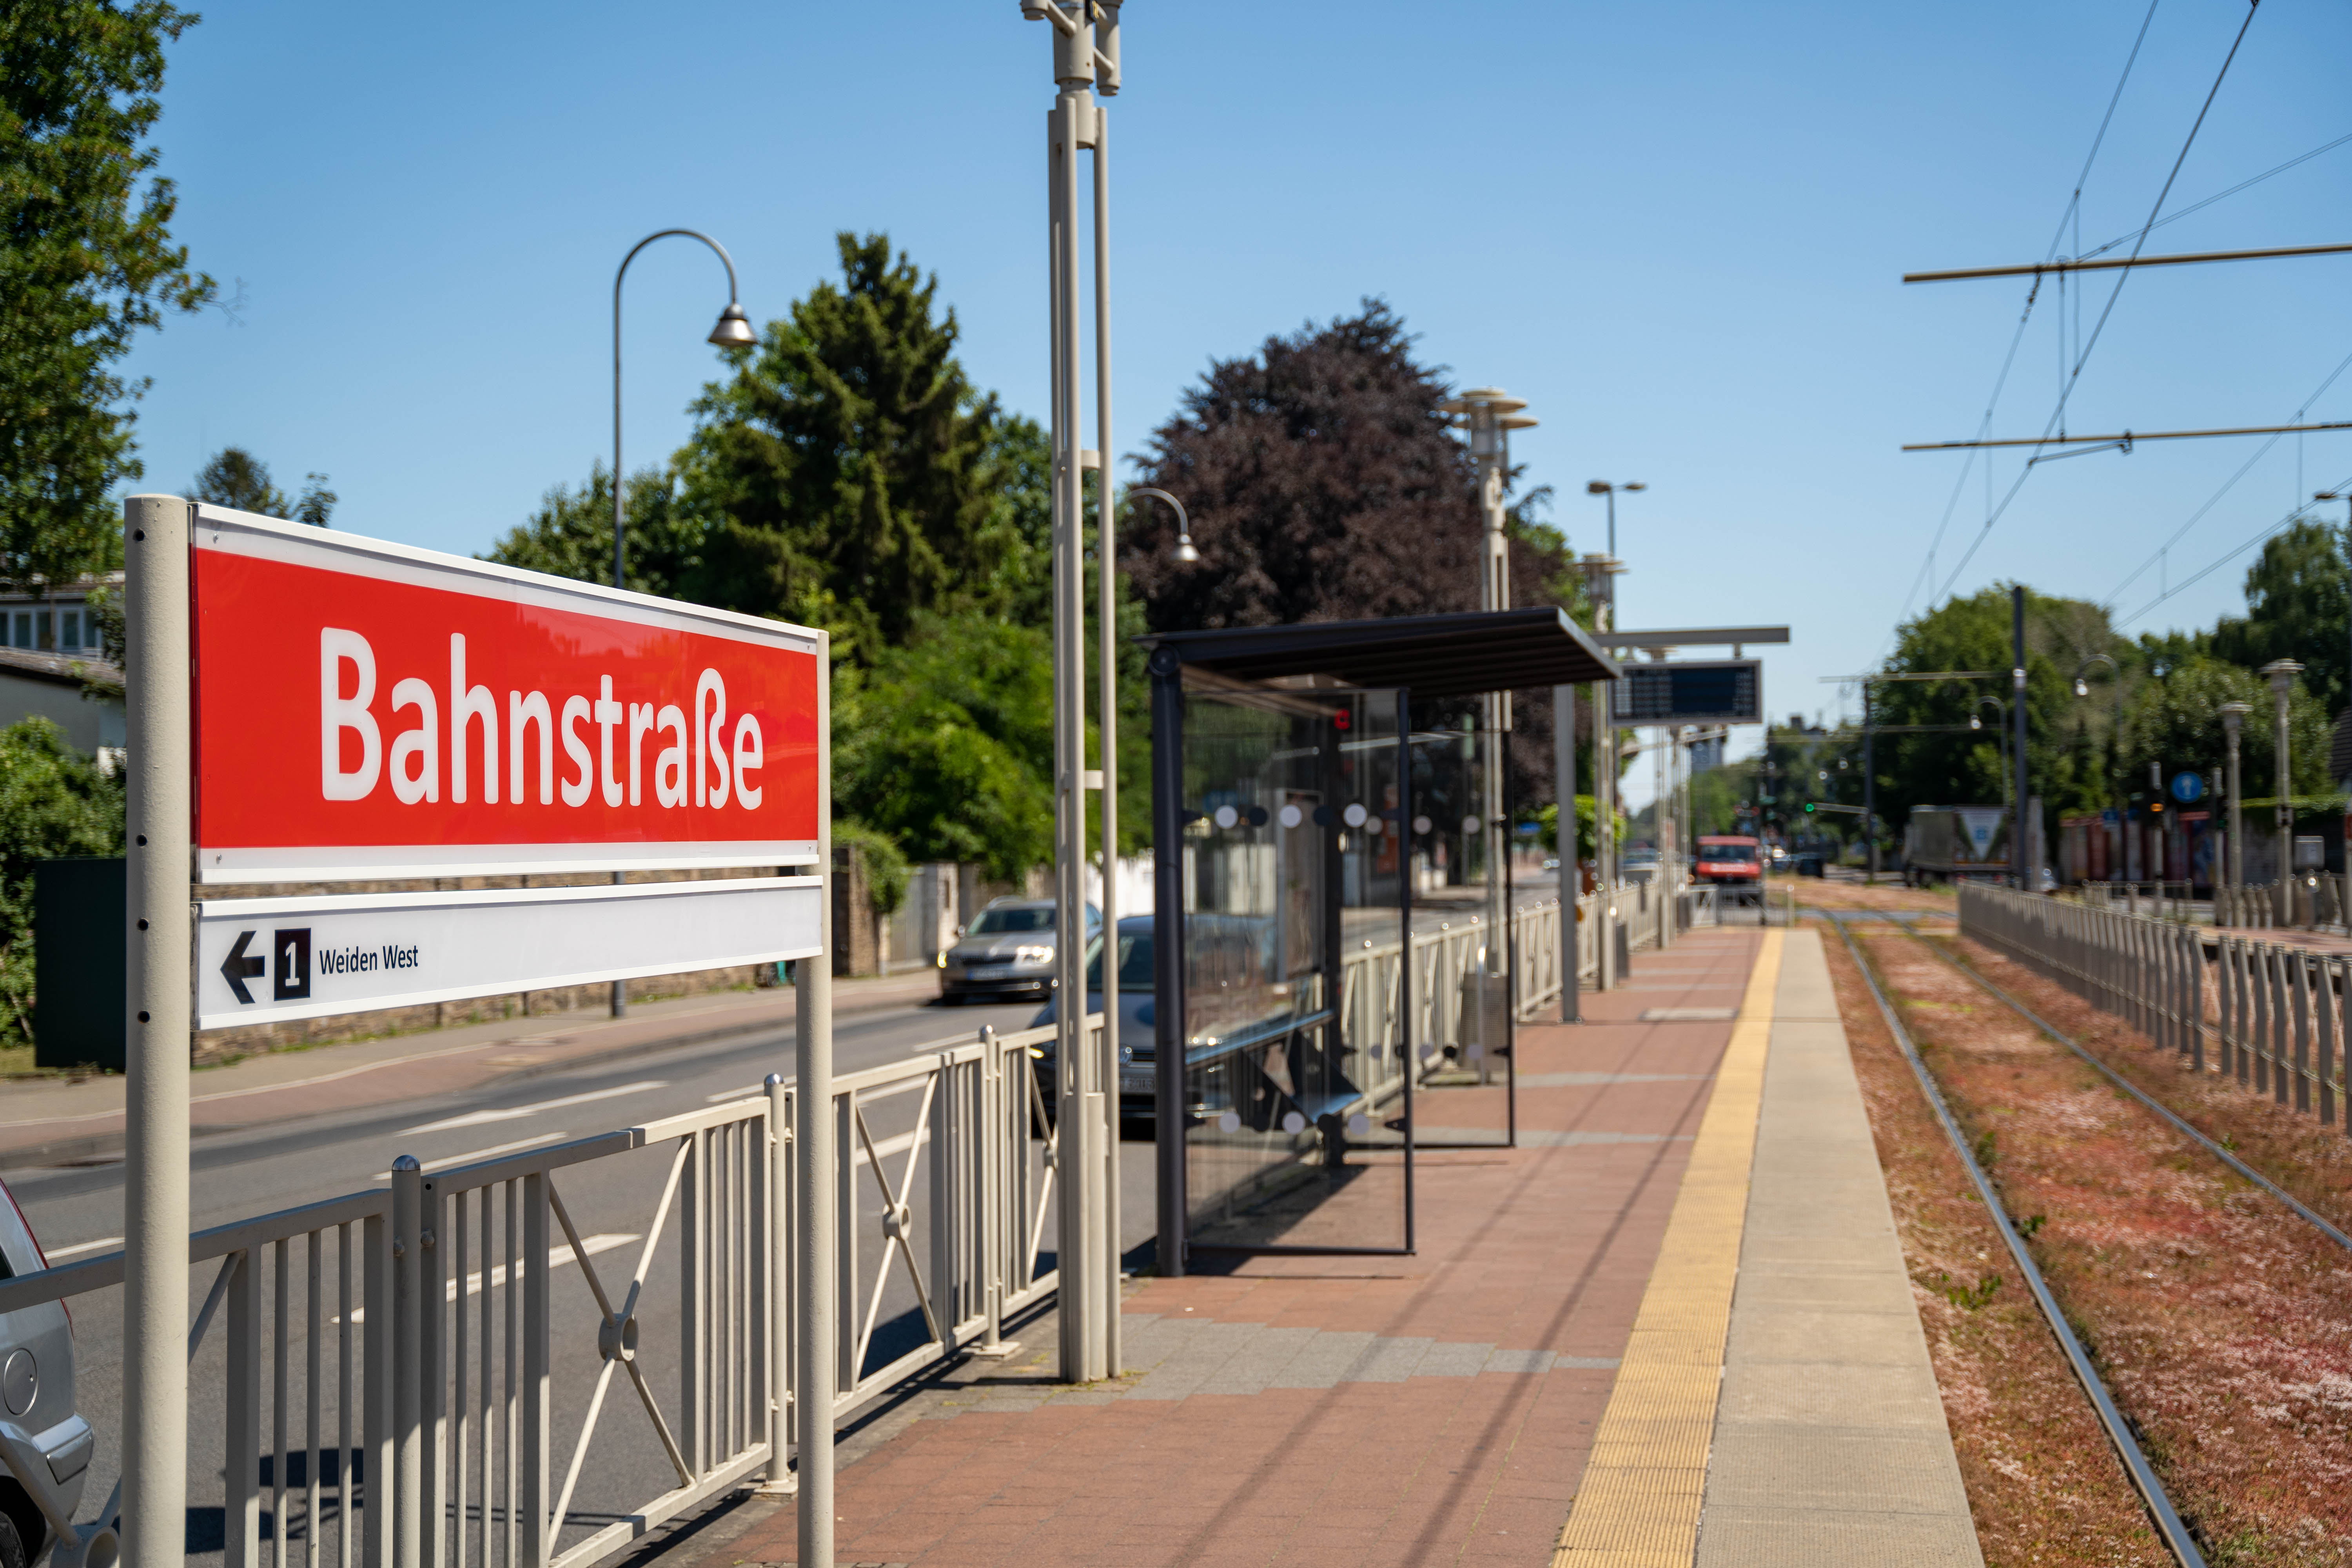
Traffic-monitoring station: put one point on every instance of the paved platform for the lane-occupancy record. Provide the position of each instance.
(1694, 1219)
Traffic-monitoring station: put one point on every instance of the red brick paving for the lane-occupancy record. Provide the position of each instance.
(1534, 1248)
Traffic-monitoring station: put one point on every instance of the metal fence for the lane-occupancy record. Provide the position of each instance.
(397, 1359)
(2273, 1011)
(522, 1389)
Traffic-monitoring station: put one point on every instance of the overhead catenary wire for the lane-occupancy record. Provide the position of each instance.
(2289, 520)
(2216, 197)
(2214, 500)
(2056, 422)
(2073, 207)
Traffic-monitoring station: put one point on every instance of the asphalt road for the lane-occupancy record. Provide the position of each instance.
(611, 1203)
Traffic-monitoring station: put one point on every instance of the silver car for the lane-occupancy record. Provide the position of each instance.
(45, 1446)
(1007, 952)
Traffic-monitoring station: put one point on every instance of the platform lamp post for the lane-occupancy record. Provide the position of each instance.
(733, 332)
(2083, 689)
(1491, 414)
(2233, 722)
(1085, 40)
(2280, 673)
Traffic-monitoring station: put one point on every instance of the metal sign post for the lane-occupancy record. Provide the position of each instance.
(324, 708)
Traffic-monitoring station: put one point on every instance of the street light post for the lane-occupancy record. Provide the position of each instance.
(2282, 673)
(1604, 488)
(2116, 741)
(1085, 58)
(2234, 720)
(733, 330)
(2001, 729)
(1492, 414)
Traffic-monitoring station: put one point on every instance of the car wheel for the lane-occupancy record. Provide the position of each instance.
(12, 1548)
(951, 998)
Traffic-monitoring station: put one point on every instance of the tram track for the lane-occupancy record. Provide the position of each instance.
(2169, 1527)
(2170, 1116)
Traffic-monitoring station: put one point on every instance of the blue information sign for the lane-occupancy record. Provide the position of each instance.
(2187, 788)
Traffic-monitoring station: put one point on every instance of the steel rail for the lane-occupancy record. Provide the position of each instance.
(2168, 1523)
(2211, 1147)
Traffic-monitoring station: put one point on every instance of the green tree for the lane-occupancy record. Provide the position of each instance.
(570, 534)
(235, 477)
(848, 475)
(86, 262)
(1962, 766)
(2297, 606)
(54, 802)
(2175, 726)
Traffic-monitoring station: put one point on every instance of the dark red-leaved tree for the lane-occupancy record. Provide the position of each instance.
(1324, 482)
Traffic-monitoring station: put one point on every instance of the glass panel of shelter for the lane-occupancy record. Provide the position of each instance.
(1296, 877)
(1462, 1014)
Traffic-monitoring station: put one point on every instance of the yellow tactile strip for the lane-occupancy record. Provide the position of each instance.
(1639, 1503)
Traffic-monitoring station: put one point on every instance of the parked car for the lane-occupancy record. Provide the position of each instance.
(44, 1441)
(1137, 1085)
(1007, 952)
(1638, 865)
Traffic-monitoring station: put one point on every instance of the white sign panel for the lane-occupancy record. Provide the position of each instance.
(281, 959)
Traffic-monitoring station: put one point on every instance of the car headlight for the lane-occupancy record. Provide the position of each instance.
(943, 958)
(1033, 956)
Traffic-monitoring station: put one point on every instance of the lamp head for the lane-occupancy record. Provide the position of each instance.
(2081, 686)
(1633, 485)
(733, 330)
(1975, 721)
(1185, 554)
(1597, 487)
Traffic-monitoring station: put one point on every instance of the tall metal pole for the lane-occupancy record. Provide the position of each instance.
(1072, 125)
(2233, 719)
(1491, 414)
(2020, 849)
(156, 536)
(1563, 768)
(1107, 642)
(1869, 788)
(2282, 673)
(1604, 774)
(815, 1170)
(733, 313)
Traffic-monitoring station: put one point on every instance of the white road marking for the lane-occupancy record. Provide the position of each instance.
(557, 1256)
(514, 1113)
(444, 1161)
(78, 1247)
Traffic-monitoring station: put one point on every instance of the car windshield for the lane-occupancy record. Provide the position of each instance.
(1726, 852)
(1134, 962)
(1000, 923)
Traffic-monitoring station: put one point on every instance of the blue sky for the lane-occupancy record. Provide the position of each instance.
(1677, 230)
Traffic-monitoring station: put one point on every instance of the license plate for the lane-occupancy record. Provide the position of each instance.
(1138, 1080)
(987, 971)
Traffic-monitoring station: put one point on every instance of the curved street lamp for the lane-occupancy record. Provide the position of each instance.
(733, 332)
(1185, 554)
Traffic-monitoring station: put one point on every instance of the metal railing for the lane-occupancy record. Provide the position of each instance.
(412, 1347)
(2275, 1011)
(441, 1372)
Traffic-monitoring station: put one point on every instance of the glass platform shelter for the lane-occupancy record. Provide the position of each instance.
(1329, 982)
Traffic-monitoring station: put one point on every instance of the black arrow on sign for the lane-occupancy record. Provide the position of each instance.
(236, 969)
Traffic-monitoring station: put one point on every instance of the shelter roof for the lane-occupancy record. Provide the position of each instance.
(1458, 654)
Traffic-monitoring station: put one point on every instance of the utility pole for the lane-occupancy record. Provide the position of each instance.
(2282, 673)
(1601, 578)
(2019, 849)
(1869, 786)
(1085, 37)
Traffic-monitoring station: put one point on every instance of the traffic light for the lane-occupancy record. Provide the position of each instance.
(1809, 808)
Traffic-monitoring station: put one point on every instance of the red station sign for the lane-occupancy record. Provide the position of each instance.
(364, 710)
